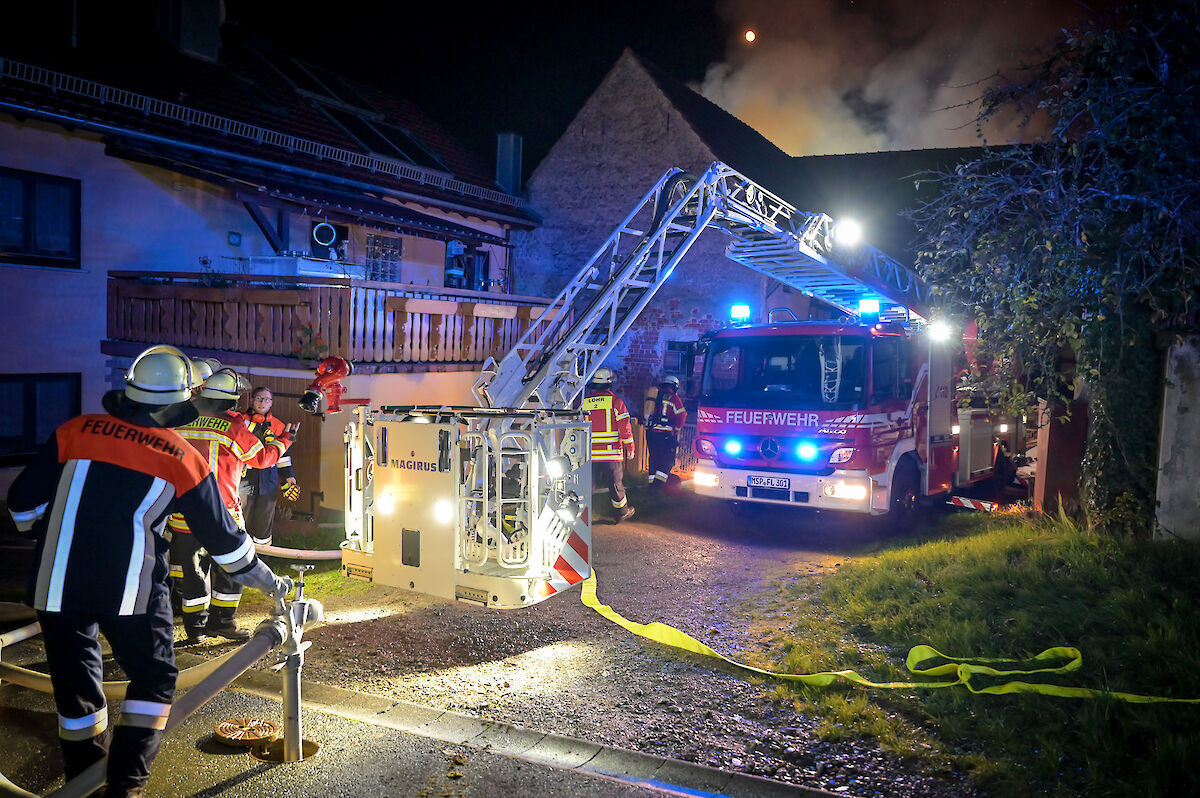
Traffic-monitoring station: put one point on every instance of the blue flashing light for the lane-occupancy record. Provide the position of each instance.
(807, 451)
(739, 314)
(868, 307)
(733, 447)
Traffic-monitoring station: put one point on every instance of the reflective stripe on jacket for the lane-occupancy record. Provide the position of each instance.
(611, 431)
(107, 487)
(228, 445)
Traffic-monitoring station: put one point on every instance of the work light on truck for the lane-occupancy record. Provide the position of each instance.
(704, 479)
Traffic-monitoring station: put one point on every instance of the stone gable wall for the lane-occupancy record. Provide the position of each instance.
(623, 139)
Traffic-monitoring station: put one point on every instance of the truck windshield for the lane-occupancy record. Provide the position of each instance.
(801, 371)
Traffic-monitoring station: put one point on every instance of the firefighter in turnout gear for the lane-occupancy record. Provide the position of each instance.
(612, 440)
(96, 497)
(210, 597)
(664, 422)
(260, 487)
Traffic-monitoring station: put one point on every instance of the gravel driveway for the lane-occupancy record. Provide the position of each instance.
(559, 667)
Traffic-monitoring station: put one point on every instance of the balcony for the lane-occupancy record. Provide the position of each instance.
(380, 327)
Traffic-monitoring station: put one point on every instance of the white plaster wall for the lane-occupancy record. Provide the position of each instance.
(131, 217)
(1179, 446)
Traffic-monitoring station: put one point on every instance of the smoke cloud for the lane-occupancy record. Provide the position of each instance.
(827, 77)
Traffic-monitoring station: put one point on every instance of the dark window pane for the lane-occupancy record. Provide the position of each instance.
(12, 213)
(12, 399)
(57, 402)
(53, 234)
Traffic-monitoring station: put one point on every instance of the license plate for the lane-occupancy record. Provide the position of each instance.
(769, 482)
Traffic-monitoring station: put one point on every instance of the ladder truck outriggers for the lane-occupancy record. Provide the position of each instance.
(492, 504)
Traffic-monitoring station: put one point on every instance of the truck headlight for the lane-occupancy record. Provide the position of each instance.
(840, 490)
(705, 447)
(705, 479)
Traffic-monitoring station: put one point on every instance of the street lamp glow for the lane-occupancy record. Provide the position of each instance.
(939, 331)
(848, 232)
(750, 36)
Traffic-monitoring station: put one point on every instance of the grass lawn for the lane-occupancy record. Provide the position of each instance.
(1007, 586)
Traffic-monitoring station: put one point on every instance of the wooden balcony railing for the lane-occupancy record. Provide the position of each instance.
(364, 322)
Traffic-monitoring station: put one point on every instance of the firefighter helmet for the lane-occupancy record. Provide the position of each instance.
(223, 384)
(671, 380)
(162, 375)
(205, 367)
(603, 377)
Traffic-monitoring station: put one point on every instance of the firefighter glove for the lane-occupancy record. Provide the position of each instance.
(283, 586)
(291, 491)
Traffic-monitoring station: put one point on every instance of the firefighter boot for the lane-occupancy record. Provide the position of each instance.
(624, 514)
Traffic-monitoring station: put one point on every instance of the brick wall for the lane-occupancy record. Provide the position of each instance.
(623, 139)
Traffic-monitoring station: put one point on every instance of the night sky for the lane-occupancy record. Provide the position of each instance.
(824, 76)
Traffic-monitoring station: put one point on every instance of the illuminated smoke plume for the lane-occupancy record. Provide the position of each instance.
(828, 77)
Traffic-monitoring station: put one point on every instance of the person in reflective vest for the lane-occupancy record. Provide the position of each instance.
(664, 423)
(260, 487)
(209, 597)
(612, 440)
(96, 498)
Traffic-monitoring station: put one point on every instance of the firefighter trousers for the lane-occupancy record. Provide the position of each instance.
(662, 445)
(259, 510)
(210, 597)
(142, 645)
(611, 473)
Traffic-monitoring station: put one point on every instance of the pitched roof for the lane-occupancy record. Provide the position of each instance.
(729, 138)
(257, 107)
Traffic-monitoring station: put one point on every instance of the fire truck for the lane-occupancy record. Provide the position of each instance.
(491, 504)
(843, 415)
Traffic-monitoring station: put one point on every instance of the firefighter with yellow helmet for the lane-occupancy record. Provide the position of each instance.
(96, 497)
(612, 440)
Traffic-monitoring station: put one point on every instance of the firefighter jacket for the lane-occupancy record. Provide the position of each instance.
(97, 496)
(265, 479)
(668, 414)
(611, 432)
(227, 445)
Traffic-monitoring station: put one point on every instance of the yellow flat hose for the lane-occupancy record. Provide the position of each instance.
(963, 669)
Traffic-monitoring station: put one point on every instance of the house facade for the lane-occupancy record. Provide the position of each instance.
(237, 203)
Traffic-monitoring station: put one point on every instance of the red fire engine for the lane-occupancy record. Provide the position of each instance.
(855, 417)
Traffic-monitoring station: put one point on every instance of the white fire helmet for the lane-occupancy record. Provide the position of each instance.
(205, 367)
(671, 380)
(224, 384)
(603, 377)
(162, 375)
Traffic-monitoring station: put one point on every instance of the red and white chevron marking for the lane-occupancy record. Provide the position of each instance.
(972, 504)
(572, 566)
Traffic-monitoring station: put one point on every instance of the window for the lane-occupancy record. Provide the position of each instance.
(39, 219)
(34, 406)
(383, 257)
(891, 369)
(801, 371)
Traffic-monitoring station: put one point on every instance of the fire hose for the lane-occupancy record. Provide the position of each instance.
(284, 628)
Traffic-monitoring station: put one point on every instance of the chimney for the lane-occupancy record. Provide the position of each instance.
(508, 162)
(193, 26)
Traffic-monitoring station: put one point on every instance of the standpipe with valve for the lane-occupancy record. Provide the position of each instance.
(293, 747)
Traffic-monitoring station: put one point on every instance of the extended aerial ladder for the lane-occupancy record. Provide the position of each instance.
(492, 504)
(552, 363)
